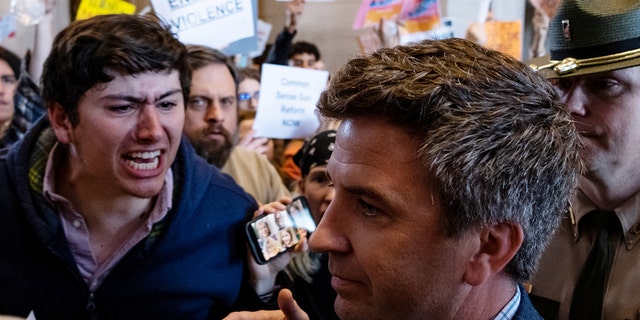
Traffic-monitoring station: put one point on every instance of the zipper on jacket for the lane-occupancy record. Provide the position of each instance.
(91, 306)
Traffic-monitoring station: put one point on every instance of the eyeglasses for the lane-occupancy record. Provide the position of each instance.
(245, 96)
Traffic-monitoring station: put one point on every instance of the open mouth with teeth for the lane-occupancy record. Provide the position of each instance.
(148, 160)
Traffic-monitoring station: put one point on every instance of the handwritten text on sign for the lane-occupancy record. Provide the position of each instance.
(214, 23)
(288, 98)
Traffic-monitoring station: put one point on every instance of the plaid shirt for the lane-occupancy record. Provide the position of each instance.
(29, 107)
(510, 309)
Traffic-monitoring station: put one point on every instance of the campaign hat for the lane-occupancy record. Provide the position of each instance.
(589, 36)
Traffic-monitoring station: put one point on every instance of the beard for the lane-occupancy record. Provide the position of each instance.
(216, 152)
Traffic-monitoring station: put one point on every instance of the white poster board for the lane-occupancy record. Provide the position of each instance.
(288, 98)
(213, 23)
(263, 32)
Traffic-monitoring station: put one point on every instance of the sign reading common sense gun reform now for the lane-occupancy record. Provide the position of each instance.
(213, 23)
(288, 97)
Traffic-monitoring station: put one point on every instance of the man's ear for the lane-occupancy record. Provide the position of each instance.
(498, 244)
(60, 123)
(301, 185)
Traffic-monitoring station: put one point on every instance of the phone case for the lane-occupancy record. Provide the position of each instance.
(271, 235)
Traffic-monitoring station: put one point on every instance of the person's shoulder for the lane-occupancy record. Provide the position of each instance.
(243, 153)
(258, 164)
(202, 177)
(241, 157)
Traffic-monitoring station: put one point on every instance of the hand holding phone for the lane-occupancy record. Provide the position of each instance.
(271, 235)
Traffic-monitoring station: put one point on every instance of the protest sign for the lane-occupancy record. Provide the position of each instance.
(244, 45)
(213, 23)
(7, 27)
(505, 36)
(372, 11)
(90, 8)
(262, 34)
(420, 15)
(288, 98)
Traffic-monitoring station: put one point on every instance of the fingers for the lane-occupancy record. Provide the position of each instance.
(249, 141)
(289, 310)
(280, 263)
(290, 307)
(302, 245)
(273, 207)
(285, 200)
(257, 315)
(259, 144)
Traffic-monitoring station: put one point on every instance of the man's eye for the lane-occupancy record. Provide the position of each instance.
(198, 103)
(562, 85)
(319, 179)
(228, 102)
(121, 109)
(9, 79)
(603, 84)
(166, 105)
(367, 209)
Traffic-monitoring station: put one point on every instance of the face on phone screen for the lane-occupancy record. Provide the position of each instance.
(273, 234)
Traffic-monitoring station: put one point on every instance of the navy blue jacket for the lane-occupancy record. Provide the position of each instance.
(191, 266)
(526, 311)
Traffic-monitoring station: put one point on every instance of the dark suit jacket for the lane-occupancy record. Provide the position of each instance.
(526, 311)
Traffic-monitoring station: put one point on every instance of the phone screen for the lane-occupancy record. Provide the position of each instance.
(271, 235)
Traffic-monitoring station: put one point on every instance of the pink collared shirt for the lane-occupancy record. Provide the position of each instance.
(77, 234)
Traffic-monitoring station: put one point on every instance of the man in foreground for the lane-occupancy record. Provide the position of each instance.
(452, 167)
(107, 212)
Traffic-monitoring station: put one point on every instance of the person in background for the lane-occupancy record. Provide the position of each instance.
(9, 75)
(285, 52)
(27, 102)
(595, 66)
(248, 98)
(248, 89)
(305, 55)
(312, 160)
(212, 125)
(307, 275)
(107, 212)
(246, 133)
(20, 102)
(300, 54)
(452, 168)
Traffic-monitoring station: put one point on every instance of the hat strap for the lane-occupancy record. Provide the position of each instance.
(568, 65)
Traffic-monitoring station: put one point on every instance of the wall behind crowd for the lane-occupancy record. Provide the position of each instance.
(328, 23)
(325, 23)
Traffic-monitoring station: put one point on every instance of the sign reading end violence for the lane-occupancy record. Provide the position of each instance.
(197, 21)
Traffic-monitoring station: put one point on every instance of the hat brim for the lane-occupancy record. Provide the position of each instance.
(549, 73)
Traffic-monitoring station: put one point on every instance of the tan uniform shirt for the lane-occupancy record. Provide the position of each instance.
(256, 175)
(562, 262)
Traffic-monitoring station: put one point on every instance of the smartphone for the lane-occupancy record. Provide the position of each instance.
(271, 235)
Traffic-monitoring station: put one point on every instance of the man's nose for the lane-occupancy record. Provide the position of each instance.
(149, 127)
